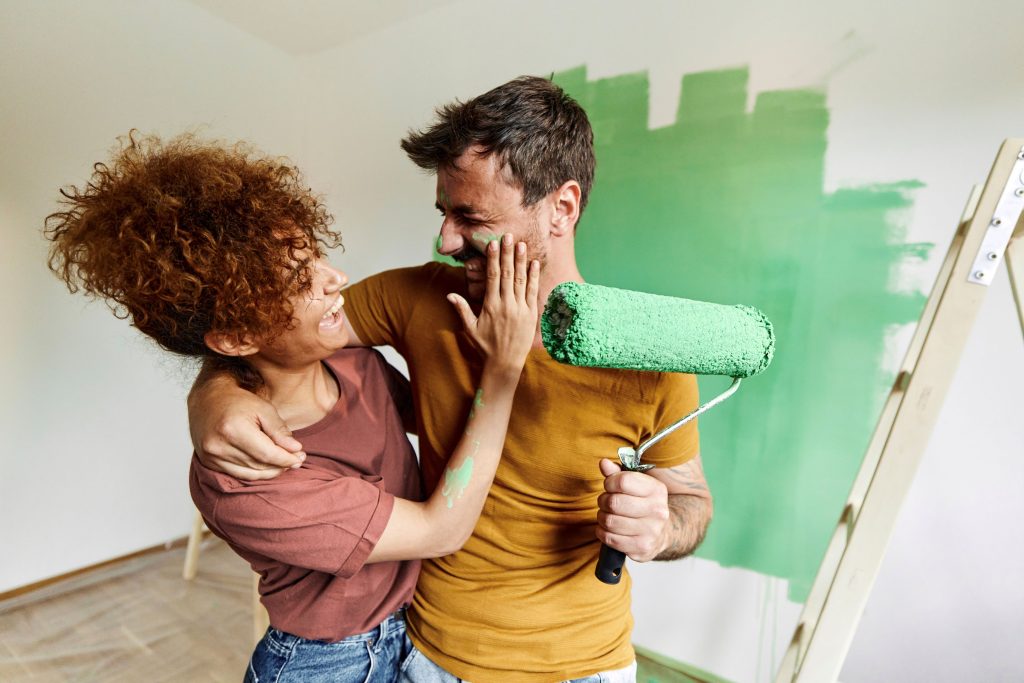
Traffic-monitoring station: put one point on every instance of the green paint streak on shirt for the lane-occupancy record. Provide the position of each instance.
(456, 481)
(728, 205)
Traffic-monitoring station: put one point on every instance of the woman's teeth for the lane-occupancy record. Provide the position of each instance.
(333, 310)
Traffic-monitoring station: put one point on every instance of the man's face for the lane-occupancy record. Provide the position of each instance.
(479, 206)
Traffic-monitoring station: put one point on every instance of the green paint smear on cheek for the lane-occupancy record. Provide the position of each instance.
(727, 205)
(485, 237)
(456, 481)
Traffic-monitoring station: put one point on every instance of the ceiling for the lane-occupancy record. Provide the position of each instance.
(311, 26)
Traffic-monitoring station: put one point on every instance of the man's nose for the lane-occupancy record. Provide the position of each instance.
(449, 239)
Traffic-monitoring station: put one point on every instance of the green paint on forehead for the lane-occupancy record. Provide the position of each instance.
(438, 244)
(728, 205)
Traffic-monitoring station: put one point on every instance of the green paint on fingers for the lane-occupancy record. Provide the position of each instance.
(456, 481)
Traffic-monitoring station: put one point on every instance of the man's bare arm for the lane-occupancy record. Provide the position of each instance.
(689, 506)
(658, 515)
(237, 432)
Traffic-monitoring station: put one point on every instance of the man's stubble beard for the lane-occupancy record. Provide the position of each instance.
(534, 251)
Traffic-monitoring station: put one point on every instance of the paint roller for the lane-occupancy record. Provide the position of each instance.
(604, 327)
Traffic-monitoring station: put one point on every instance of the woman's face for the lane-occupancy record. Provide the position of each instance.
(318, 328)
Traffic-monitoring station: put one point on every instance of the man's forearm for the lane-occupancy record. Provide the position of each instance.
(223, 372)
(206, 373)
(689, 516)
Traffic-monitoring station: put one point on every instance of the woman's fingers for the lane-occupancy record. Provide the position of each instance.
(464, 311)
(507, 266)
(533, 286)
(521, 273)
(492, 293)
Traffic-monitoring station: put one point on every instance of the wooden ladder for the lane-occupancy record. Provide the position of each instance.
(260, 618)
(990, 231)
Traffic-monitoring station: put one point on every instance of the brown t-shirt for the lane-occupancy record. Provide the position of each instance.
(309, 531)
(520, 601)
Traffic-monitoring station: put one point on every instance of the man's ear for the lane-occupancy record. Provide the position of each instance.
(228, 344)
(566, 205)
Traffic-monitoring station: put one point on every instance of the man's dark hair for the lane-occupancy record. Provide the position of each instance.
(541, 135)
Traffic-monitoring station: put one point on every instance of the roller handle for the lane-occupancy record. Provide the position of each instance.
(609, 565)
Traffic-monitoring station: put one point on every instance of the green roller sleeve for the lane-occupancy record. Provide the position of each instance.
(603, 327)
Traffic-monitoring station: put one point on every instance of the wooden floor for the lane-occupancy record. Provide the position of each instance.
(138, 621)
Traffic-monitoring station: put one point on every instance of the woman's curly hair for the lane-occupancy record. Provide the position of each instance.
(187, 237)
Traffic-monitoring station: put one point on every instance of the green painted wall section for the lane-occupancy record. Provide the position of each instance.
(728, 205)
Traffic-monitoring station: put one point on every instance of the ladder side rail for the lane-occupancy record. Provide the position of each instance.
(837, 543)
(907, 440)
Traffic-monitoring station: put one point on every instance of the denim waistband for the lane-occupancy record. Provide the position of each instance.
(391, 623)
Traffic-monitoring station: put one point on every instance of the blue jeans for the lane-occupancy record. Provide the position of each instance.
(368, 657)
(418, 669)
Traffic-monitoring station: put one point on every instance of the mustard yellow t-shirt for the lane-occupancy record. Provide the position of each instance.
(520, 601)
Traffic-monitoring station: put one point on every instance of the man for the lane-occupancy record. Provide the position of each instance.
(520, 601)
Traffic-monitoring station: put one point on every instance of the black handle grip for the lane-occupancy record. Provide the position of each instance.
(609, 565)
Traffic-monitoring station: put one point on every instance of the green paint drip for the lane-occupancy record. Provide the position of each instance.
(485, 237)
(438, 244)
(456, 481)
(727, 205)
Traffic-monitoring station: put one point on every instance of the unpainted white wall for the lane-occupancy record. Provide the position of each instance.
(95, 454)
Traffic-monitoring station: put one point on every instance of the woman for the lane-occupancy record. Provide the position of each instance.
(217, 253)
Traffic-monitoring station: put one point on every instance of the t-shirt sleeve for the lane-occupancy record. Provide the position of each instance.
(305, 520)
(676, 396)
(381, 306)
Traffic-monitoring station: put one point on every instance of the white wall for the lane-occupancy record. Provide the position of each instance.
(924, 94)
(95, 455)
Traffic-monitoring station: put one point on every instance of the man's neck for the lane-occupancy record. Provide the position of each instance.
(552, 276)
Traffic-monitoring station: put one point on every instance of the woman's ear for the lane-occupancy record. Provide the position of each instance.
(228, 344)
